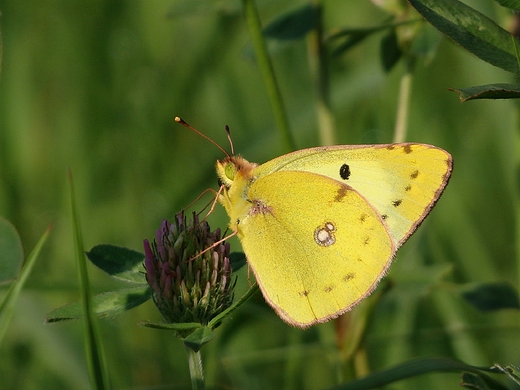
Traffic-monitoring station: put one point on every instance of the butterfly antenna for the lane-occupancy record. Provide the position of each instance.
(230, 140)
(185, 124)
(235, 232)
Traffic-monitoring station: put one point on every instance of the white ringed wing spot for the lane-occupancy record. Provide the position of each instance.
(323, 235)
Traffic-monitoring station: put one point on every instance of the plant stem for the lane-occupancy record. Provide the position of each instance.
(319, 68)
(196, 371)
(266, 68)
(401, 122)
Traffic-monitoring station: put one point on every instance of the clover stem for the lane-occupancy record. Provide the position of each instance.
(196, 371)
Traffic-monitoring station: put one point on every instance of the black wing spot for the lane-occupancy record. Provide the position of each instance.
(397, 202)
(408, 149)
(414, 174)
(408, 188)
(344, 172)
(384, 216)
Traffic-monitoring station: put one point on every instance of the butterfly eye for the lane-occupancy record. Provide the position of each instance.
(230, 171)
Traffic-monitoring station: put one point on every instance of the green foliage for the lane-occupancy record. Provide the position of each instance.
(11, 250)
(121, 263)
(95, 87)
(472, 30)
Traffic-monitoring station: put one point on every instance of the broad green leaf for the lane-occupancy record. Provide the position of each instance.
(7, 306)
(122, 263)
(491, 296)
(414, 368)
(197, 339)
(471, 30)
(511, 4)
(107, 304)
(11, 251)
(293, 25)
(489, 91)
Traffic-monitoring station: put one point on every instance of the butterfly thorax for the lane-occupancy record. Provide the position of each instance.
(235, 176)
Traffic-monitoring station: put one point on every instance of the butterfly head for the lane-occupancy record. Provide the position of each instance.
(233, 169)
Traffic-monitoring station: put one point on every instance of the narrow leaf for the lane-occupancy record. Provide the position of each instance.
(489, 91)
(7, 306)
(410, 369)
(93, 345)
(11, 250)
(471, 30)
(122, 263)
(492, 296)
(107, 304)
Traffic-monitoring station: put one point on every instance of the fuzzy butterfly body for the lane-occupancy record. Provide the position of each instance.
(320, 226)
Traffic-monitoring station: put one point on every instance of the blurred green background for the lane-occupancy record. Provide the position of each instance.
(94, 86)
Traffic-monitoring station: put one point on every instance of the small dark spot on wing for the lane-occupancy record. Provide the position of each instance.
(349, 276)
(344, 172)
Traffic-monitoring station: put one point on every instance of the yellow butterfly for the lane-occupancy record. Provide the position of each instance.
(320, 226)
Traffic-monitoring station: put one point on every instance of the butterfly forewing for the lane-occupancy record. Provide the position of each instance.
(401, 181)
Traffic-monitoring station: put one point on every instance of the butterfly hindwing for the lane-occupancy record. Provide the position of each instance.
(316, 248)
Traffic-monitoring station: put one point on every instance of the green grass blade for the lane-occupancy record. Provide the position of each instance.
(266, 68)
(413, 368)
(93, 346)
(11, 250)
(7, 306)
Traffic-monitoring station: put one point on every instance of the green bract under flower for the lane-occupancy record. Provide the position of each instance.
(187, 287)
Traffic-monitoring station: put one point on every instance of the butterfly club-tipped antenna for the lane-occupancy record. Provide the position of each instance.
(186, 124)
(228, 132)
